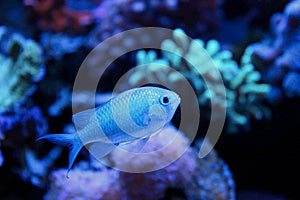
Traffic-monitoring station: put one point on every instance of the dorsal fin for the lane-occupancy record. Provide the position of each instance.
(81, 119)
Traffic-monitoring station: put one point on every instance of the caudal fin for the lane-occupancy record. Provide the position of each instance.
(70, 140)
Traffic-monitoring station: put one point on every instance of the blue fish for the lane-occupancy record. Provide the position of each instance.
(133, 115)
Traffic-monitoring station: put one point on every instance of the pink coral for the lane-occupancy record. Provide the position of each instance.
(152, 185)
(160, 151)
(84, 184)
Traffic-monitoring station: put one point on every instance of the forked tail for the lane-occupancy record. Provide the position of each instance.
(70, 140)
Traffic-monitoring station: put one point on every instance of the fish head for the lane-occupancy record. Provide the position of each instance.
(142, 111)
(162, 107)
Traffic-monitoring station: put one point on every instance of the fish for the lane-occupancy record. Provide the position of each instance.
(133, 115)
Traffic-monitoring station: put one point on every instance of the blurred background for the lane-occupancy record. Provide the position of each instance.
(255, 44)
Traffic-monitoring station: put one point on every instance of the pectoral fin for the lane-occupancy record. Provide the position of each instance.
(100, 149)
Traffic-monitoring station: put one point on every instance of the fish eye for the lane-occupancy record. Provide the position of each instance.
(164, 100)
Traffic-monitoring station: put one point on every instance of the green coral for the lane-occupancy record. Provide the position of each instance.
(20, 68)
(244, 92)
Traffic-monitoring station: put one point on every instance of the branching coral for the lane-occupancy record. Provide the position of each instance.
(20, 67)
(36, 169)
(244, 93)
(207, 178)
(278, 57)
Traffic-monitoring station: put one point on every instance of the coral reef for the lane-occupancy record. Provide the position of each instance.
(244, 92)
(115, 16)
(21, 67)
(198, 17)
(278, 56)
(255, 50)
(188, 173)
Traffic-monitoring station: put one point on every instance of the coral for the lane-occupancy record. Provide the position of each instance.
(213, 179)
(153, 184)
(278, 56)
(37, 168)
(244, 93)
(60, 15)
(84, 184)
(208, 178)
(199, 17)
(58, 45)
(21, 67)
(112, 17)
(150, 161)
(16, 129)
(63, 100)
(186, 171)
(21, 124)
